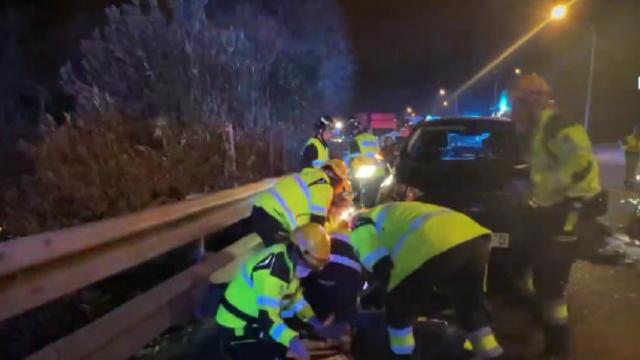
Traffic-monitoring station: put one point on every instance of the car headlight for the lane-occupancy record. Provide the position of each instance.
(365, 171)
(388, 181)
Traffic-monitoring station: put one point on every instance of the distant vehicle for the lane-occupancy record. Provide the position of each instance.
(379, 123)
(470, 164)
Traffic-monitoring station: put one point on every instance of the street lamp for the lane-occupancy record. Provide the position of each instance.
(409, 110)
(517, 71)
(443, 92)
(559, 12)
(445, 103)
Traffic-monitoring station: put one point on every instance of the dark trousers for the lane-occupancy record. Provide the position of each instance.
(458, 272)
(631, 163)
(551, 252)
(266, 226)
(250, 345)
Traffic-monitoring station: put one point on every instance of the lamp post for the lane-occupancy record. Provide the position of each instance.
(587, 109)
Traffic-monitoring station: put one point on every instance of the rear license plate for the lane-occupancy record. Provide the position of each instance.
(500, 240)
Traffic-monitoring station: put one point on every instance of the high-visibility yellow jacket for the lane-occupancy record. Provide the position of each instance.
(321, 149)
(265, 291)
(562, 162)
(368, 145)
(410, 233)
(294, 199)
(631, 143)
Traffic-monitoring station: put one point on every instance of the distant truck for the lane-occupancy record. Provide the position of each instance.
(380, 123)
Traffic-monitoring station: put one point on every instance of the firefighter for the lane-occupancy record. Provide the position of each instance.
(268, 285)
(631, 146)
(333, 292)
(565, 190)
(414, 248)
(297, 200)
(364, 143)
(316, 150)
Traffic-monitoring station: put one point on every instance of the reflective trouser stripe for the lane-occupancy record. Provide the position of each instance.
(484, 344)
(283, 204)
(402, 341)
(556, 312)
(315, 208)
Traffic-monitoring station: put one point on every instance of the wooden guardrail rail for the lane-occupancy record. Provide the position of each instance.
(40, 268)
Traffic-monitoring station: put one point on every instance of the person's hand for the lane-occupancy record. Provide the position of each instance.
(297, 350)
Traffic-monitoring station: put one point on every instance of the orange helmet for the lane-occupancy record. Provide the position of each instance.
(314, 244)
(336, 169)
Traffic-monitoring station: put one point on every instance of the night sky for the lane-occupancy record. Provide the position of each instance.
(405, 50)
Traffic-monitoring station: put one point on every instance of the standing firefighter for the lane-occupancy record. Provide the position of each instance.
(566, 188)
(316, 150)
(364, 143)
(631, 146)
(268, 285)
(297, 200)
(413, 248)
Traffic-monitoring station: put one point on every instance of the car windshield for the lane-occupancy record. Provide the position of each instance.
(463, 141)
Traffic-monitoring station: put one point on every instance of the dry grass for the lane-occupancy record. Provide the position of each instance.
(119, 165)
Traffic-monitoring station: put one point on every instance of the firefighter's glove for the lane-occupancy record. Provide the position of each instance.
(297, 350)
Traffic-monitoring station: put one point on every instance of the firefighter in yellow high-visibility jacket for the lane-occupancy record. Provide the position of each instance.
(631, 147)
(566, 189)
(266, 287)
(412, 249)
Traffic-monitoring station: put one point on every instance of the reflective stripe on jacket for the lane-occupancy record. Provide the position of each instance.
(410, 233)
(295, 198)
(562, 162)
(368, 145)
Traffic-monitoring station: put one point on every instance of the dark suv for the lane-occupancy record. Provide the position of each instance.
(472, 165)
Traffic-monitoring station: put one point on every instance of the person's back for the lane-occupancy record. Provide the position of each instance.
(412, 233)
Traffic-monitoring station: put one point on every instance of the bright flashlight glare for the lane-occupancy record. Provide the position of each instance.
(559, 12)
(365, 171)
(387, 182)
(347, 213)
(339, 125)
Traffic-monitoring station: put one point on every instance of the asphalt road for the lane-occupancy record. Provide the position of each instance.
(604, 302)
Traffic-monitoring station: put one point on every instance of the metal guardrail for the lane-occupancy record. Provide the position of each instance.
(40, 268)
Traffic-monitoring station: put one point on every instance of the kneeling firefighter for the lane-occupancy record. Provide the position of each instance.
(333, 291)
(296, 200)
(268, 285)
(413, 248)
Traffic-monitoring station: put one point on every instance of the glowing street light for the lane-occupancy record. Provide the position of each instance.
(409, 110)
(517, 71)
(445, 103)
(443, 92)
(559, 12)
